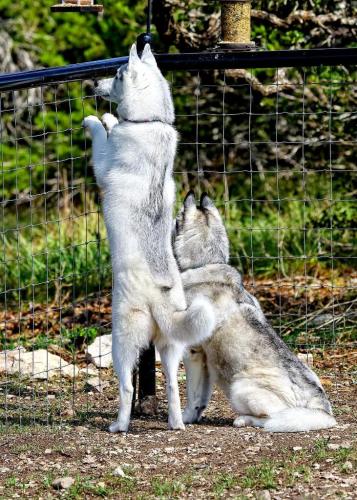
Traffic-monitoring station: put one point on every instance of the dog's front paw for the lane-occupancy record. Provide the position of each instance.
(239, 422)
(118, 427)
(90, 121)
(176, 424)
(109, 121)
(189, 416)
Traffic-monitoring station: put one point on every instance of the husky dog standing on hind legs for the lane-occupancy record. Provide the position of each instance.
(133, 166)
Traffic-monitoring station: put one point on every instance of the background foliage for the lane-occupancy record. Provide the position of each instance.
(285, 182)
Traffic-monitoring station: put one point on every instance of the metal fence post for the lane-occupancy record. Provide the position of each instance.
(147, 383)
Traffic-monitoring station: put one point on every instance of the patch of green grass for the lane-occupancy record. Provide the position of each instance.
(11, 482)
(295, 471)
(48, 480)
(320, 450)
(344, 455)
(127, 484)
(262, 476)
(74, 338)
(164, 488)
(223, 482)
(52, 258)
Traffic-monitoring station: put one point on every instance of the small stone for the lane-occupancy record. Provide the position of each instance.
(48, 451)
(95, 384)
(316, 466)
(118, 471)
(68, 412)
(297, 448)
(63, 483)
(307, 358)
(101, 484)
(333, 446)
(322, 319)
(51, 396)
(347, 466)
(338, 446)
(89, 371)
(263, 495)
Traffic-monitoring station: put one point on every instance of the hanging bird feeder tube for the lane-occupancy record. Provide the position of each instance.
(236, 25)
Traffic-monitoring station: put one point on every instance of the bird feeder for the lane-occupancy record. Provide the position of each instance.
(235, 25)
(77, 6)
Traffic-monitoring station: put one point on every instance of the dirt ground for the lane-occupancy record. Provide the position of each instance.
(62, 436)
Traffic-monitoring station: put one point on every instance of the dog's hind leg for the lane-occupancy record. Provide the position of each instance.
(124, 360)
(132, 331)
(198, 385)
(170, 357)
(206, 394)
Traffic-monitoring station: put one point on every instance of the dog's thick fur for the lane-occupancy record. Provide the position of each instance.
(133, 166)
(267, 385)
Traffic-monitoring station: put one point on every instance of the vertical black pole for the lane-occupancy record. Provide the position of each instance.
(147, 386)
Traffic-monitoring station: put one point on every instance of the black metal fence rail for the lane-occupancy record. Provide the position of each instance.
(190, 61)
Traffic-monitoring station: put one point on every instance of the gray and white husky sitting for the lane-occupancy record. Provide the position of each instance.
(133, 165)
(265, 382)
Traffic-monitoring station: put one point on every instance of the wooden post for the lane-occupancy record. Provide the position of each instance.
(235, 23)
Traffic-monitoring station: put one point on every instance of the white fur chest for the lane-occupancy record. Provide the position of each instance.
(138, 176)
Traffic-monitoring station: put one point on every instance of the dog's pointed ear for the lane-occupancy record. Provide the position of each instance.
(190, 200)
(148, 57)
(133, 57)
(206, 202)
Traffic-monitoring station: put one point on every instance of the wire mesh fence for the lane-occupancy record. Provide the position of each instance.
(276, 149)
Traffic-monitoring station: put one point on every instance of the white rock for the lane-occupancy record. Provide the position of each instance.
(89, 371)
(40, 365)
(306, 357)
(347, 465)
(322, 319)
(100, 352)
(63, 483)
(118, 471)
(338, 446)
(263, 495)
(96, 384)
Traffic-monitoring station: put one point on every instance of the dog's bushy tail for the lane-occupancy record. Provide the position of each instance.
(299, 420)
(192, 326)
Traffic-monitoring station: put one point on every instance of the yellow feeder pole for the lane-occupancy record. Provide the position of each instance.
(235, 22)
